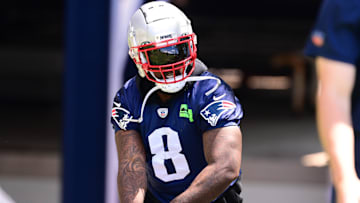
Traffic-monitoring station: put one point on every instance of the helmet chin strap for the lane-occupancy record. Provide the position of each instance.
(158, 87)
(172, 88)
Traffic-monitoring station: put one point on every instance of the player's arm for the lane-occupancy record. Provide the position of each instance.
(131, 178)
(336, 81)
(222, 148)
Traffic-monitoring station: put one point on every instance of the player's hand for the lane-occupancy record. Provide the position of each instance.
(348, 192)
(232, 195)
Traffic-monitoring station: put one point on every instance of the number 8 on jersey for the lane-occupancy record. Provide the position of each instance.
(173, 153)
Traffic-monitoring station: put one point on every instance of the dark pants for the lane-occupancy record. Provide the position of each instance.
(357, 163)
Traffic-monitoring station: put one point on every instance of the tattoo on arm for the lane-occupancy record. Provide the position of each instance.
(132, 165)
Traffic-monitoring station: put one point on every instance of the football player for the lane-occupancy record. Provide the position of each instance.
(176, 124)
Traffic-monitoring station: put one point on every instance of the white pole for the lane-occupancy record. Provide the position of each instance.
(120, 14)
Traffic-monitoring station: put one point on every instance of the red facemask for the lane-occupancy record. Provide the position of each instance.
(168, 61)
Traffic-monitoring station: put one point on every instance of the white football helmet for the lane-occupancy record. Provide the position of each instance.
(162, 45)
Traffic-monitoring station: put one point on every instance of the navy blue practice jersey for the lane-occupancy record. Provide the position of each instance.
(172, 132)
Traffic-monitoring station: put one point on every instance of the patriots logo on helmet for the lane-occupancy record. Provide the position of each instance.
(215, 109)
(120, 115)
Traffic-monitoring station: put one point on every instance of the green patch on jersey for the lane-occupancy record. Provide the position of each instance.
(185, 112)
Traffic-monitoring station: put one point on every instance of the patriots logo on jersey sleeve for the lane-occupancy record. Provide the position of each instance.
(215, 109)
(120, 115)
